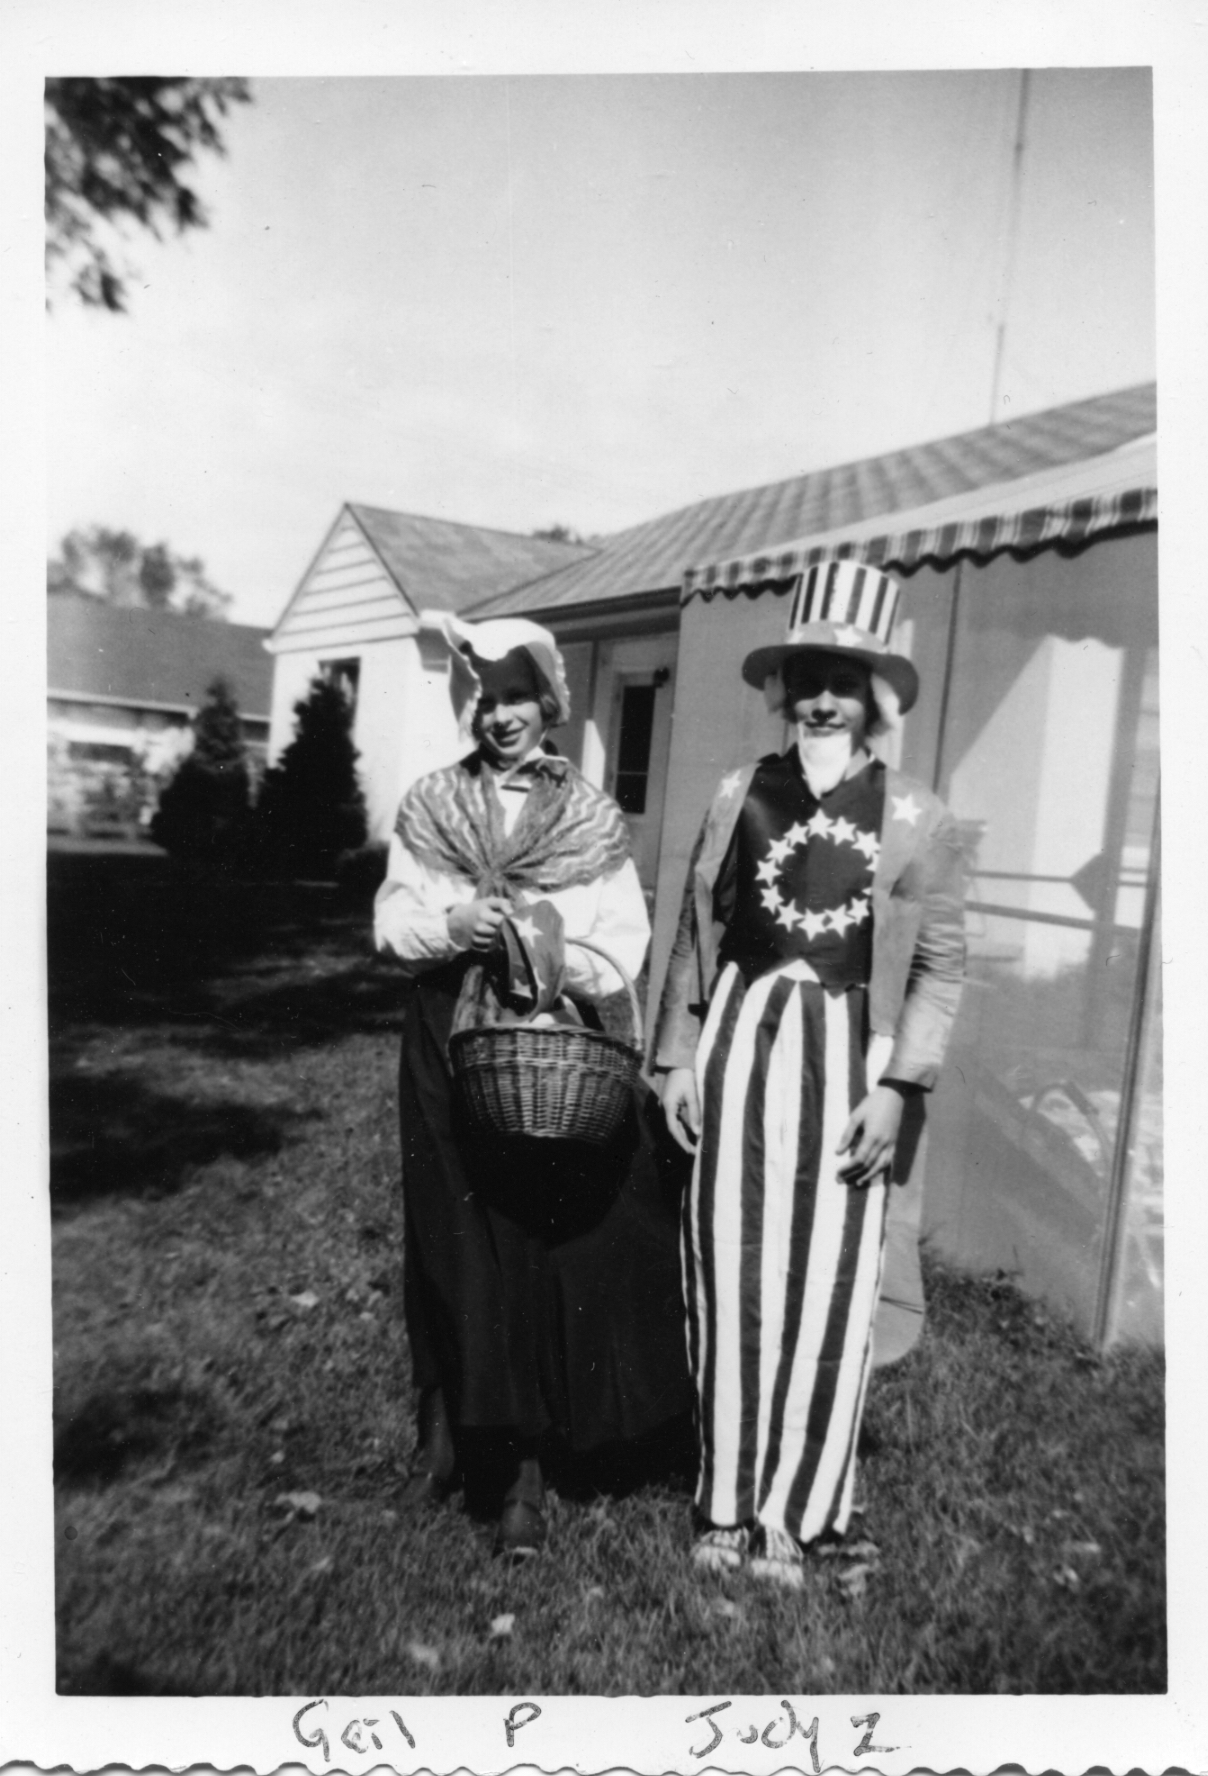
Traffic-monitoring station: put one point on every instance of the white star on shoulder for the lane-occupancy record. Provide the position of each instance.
(767, 871)
(797, 835)
(787, 916)
(819, 824)
(526, 929)
(869, 844)
(770, 899)
(812, 923)
(841, 918)
(906, 808)
(729, 785)
(842, 831)
(778, 850)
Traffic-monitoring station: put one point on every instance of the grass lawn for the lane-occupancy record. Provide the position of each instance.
(233, 1410)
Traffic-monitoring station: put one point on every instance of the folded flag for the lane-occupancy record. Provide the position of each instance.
(534, 972)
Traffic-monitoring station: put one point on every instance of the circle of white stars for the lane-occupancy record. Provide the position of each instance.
(854, 911)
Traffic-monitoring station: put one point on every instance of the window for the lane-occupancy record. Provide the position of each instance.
(346, 674)
(633, 747)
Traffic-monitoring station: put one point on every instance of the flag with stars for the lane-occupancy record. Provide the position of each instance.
(534, 958)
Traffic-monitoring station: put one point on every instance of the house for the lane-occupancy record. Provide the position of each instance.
(355, 616)
(123, 686)
(1028, 556)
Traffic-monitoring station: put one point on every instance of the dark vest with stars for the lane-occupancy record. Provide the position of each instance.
(797, 878)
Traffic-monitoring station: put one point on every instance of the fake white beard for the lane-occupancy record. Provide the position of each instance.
(824, 757)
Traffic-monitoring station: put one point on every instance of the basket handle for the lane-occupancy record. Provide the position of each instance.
(634, 1008)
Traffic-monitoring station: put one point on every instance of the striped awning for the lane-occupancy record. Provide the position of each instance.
(992, 522)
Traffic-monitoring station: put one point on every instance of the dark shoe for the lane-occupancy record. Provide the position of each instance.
(522, 1530)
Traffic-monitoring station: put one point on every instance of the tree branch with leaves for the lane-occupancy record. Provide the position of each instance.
(117, 151)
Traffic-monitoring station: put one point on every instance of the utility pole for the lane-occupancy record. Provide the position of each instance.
(1012, 234)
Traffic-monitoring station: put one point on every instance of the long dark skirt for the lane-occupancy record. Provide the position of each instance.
(542, 1279)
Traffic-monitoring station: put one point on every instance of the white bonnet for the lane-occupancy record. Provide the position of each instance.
(493, 640)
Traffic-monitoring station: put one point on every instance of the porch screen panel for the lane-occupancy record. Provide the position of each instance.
(1048, 759)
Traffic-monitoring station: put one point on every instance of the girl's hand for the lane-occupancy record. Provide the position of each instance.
(476, 925)
(870, 1135)
(681, 1106)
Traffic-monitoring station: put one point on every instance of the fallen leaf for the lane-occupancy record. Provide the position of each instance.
(321, 1566)
(855, 1580)
(725, 1606)
(1066, 1577)
(592, 1593)
(306, 1300)
(301, 1504)
(502, 1626)
(276, 1458)
(1088, 1548)
(966, 1547)
(419, 1654)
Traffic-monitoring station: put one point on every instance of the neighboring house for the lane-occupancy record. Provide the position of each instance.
(355, 616)
(1028, 555)
(123, 686)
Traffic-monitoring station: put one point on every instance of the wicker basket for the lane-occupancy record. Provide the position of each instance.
(558, 1082)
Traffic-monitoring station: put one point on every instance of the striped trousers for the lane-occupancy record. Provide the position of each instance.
(782, 1260)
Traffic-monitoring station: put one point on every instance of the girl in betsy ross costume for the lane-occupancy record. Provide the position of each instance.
(809, 995)
(541, 1281)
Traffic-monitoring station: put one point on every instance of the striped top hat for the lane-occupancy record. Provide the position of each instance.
(842, 607)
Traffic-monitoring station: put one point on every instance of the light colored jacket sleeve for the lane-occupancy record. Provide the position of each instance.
(681, 1008)
(612, 913)
(411, 912)
(924, 947)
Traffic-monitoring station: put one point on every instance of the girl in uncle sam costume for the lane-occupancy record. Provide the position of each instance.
(809, 996)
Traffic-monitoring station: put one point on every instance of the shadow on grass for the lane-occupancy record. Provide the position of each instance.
(119, 1426)
(239, 970)
(112, 1135)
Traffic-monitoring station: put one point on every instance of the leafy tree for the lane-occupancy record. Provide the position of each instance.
(114, 565)
(117, 152)
(203, 811)
(311, 807)
(558, 533)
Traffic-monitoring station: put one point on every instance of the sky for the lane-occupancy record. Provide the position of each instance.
(589, 299)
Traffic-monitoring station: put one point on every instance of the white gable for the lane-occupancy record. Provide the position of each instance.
(345, 600)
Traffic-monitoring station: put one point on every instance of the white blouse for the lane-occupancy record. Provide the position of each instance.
(411, 914)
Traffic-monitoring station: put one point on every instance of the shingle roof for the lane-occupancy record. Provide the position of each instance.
(141, 657)
(446, 566)
(653, 556)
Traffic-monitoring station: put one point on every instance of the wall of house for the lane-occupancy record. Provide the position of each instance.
(1047, 760)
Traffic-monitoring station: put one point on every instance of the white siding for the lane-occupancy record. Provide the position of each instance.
(405, 726)
(346, 599)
